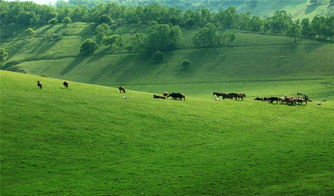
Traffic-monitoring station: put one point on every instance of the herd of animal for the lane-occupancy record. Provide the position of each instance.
(290, 100)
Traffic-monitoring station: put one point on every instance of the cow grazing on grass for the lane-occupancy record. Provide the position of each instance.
(261, 98)
(301, 100)
(65, 84)
(165, 94)
(177, 96)
(289, 100)
(158, 97)
(39, 84)
(121, 89)
(222, 95)
(238, 96)
(272, 99)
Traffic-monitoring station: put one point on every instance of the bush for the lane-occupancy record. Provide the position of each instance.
(53, 21)
(103, 19)
(185, 63)
(88, 46)
(67, 20)
(158, 56)
(29, 32)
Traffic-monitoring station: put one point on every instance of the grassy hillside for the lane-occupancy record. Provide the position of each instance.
(88, 140)
(253, 58)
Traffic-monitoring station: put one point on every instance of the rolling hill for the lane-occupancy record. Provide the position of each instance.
(88, 140)
(253, 58)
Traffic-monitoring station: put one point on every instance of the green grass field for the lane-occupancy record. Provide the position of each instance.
(88, 140)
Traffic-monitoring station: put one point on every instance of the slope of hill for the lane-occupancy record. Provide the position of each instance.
(251, 58)
(89, 140)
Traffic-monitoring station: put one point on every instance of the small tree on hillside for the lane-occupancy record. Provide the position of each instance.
(3, 54)
(111, 40)
(294, 31)
(88, 46)
(100, 32)
(185, 63)
(67, 20)
(53, 21)
(30, 32)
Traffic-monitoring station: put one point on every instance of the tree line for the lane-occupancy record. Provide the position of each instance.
(28, 13)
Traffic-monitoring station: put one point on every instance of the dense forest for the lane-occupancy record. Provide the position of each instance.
(166, 23)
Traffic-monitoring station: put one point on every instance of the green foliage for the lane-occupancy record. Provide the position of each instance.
(101, 31)
(30, 32)
(52, 36)
(3, 54)
(294, 31)
(88, 46)
(111, 40)
(104, 19)
(53, 21)
(185, 63)
(154, 14)
(207, 37)
(162, 37)
(67, 20)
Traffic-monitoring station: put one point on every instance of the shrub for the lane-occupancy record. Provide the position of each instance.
(88, 46)
(67, 20)
(53, 21)
(103, 19)
(29, 32)
(185, 63)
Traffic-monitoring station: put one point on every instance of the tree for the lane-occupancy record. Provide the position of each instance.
(207, 37)
(162, 37)
(111, 40)
(306, 28)
(53, 21)
(88, 46)
(228, 37)
(103, 19)
(101, 31)
(294, 31)
(185, 63)
(30, 32)
(67, 20)
(3, 54)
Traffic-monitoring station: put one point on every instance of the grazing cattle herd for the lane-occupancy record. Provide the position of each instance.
(289, 100)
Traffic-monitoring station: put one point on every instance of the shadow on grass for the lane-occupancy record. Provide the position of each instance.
(99, 55)
(77, 60)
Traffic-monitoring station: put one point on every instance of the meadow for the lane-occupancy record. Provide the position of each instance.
(88, 140)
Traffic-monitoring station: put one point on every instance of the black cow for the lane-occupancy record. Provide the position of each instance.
(39, 84)
(65, 84)
(177, 96)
